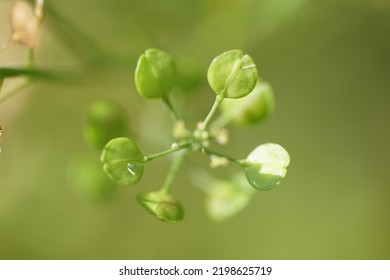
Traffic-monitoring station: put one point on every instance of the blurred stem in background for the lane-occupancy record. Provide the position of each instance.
(177, 161)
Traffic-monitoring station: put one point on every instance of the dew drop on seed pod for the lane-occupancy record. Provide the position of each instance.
(129, 168)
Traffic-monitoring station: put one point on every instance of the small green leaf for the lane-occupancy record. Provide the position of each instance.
(105, 120)
(267, 166)
(123, 161)
(252, 108)
(226, 198)
(163, 206)
(232, 74)
(155, 75)
(87, 178)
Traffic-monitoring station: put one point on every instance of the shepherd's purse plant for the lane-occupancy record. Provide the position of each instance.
(243, 99)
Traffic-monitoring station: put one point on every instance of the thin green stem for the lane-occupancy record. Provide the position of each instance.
(217, 102)
(172, 111)
(241, 162)
(14, 90)
(174, 148)
(173, 170)
(30, 58)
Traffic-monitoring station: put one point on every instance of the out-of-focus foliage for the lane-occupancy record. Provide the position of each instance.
(105, 120)
(251, 109)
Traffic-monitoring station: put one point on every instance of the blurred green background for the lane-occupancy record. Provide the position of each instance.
(329, 64)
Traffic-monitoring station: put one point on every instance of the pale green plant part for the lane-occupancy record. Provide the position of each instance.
(105, 120)
(267, 166)
(162, 206)
(251, 109)
(226, 198)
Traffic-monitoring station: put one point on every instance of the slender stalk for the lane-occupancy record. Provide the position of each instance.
(172, 172)
(30, 58)
(171, 110)
(241, 162)
(14, 90)
(174, 148)
(217, 102)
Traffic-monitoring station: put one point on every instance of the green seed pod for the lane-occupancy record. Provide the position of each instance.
(163, 206)
(105, 120)
(250, 109)
(123, 161)
(155, 75)
(87, 179)
(232, 74)
(266, 166)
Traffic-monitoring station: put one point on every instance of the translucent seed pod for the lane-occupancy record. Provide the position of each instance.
(24, 24)
(267, 166)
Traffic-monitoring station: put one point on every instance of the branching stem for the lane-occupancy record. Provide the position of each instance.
(217, 102)
(174, 148)
(240, 162)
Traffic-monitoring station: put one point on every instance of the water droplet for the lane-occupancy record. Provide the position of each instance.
(175, 146)
(129, 168)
